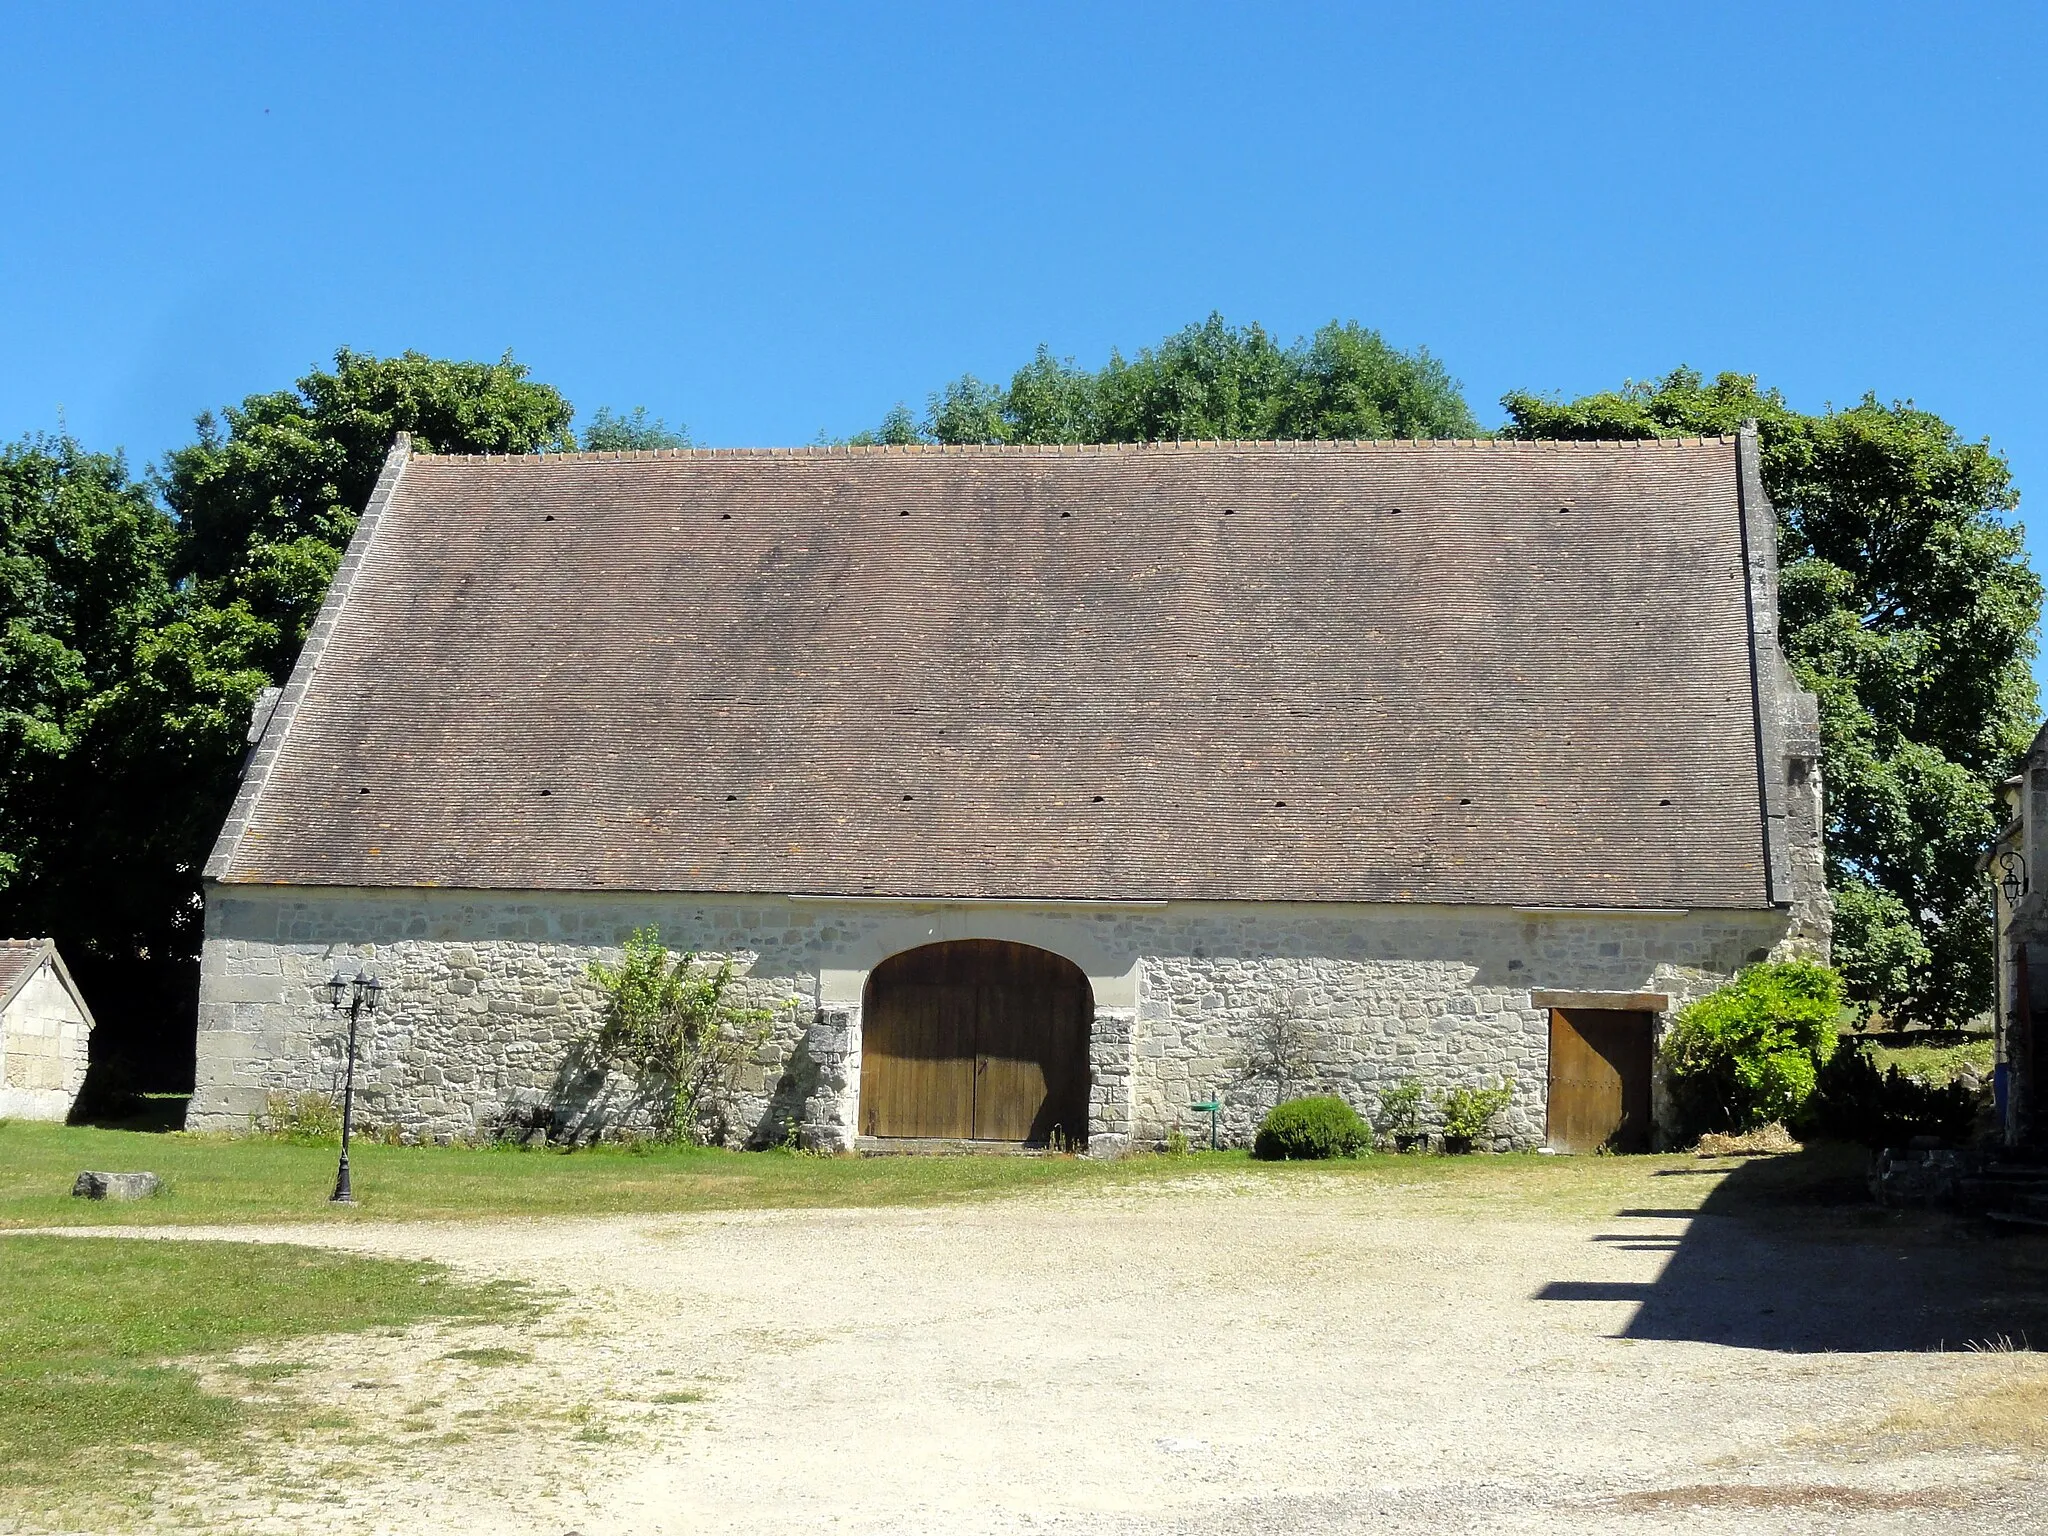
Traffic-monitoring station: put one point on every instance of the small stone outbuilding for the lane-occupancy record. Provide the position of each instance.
(45, 1029)
(1061, 788)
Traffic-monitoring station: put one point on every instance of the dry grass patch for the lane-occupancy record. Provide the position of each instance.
(2005, 1408)
(1771, 1140)
(1773, 1496)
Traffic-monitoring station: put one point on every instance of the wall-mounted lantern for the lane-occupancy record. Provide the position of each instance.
(2014, 881)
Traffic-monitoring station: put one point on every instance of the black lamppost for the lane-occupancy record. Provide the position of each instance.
(359, 997)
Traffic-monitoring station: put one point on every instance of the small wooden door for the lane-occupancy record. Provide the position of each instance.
(1599, 1080)
(975, 1040)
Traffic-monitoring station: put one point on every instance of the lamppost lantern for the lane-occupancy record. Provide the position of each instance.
(2014, 882)
(359, 995)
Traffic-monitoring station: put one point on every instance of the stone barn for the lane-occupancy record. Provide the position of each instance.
(1062, 788)
(45, 1032)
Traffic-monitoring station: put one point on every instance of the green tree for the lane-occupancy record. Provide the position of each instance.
(136, 641)
(96, 816)
(898, 427)
(1908, 607)
(1212, 380)
(85, 572)
(612, 433)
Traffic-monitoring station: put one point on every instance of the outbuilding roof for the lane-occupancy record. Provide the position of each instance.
(20, 959)
(1447, 672)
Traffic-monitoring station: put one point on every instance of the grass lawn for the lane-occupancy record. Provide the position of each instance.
(254, 1179)
(1937, 1062)
(91, 1396)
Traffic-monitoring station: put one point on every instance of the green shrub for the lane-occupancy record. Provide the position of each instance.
(1854, 1101)
(1750, 1053)
(1401, 1109)
(310, 1119)
(1468, 1111)
(678, 1024)
(1324, 1126)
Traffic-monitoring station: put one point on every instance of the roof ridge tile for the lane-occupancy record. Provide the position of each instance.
(1161, 446)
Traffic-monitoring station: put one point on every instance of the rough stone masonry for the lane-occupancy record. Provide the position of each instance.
(490, 1002)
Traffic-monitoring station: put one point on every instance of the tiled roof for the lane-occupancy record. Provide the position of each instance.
(1491, 672)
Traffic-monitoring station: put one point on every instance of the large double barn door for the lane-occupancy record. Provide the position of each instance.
(977, 1040)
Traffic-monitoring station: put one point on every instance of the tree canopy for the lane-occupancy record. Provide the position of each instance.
(1212, 380)
(612, 432)
(1908, 607)
(85, 558)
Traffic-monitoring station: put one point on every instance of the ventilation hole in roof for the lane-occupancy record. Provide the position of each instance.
(1230, 511)
(1465, 801)
(1393, 511)
(1564, 511)
(1097, 800)
(904, 513)
(909, 797)
(364, 790)
(549, 518)
(725, 517)
(732, 797)
(1663, 802)
(1066, 514)
(547, 792)
(1281, 804)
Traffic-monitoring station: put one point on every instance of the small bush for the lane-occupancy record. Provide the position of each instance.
(1468, 1111)
(1324, 1126)
(1750, 1053)
(1854, 1101)
(1401, 1109)
(301, 1117)
(679, 1025)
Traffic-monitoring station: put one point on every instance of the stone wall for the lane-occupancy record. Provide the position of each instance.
(490, 1005)
(1351, 1004)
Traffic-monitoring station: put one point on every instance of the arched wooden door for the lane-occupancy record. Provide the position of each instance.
(978, 1040)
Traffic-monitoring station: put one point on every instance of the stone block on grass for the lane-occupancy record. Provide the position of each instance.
(116, 1186)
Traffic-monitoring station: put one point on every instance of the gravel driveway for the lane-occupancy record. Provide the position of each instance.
(1194, 1359)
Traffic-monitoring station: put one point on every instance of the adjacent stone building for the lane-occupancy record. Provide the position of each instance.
(45, 1029)
(2020, 1073)
(1043, 792)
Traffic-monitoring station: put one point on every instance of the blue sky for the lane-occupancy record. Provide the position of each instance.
(767, 221)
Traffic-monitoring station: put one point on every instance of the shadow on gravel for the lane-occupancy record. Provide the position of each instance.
(1790, 1254)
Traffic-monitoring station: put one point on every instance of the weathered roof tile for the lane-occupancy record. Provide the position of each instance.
(1457, 672)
